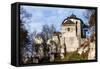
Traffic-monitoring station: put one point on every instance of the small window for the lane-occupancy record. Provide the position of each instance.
(68, 29)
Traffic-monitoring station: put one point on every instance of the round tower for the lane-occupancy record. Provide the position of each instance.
(71, 33)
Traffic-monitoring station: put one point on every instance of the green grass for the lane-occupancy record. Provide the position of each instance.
(73, 56)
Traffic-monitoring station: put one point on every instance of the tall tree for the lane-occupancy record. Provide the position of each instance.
(25, 45)
(92, 19)
(47, 31)
(52, 30)
(90, 15)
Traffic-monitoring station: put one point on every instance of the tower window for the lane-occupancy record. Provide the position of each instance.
(68, 29)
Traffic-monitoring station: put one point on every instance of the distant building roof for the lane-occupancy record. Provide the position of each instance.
(56, 33)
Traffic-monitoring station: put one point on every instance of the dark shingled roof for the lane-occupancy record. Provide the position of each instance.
(67, 22)
(72, 17)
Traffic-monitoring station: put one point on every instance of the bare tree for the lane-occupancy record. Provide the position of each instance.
(92, 19)
(25, 42)
(48, 31)
(90, 15)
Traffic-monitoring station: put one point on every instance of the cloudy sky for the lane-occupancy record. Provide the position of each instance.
(50, 15)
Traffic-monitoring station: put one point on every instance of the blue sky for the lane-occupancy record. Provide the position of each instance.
(49, 16)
